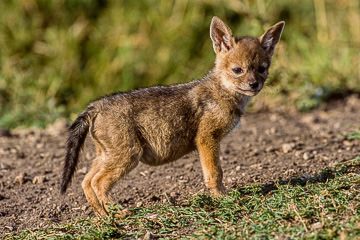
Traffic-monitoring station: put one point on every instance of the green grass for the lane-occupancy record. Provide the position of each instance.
(353, 135)
(57, 56)
(325, 206)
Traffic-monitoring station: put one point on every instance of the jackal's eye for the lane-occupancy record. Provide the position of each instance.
(261, 69)
(237, 70)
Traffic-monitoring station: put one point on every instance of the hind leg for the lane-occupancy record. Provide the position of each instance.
(119, 152)
(88, 190)
(113, 167)
(94, 169)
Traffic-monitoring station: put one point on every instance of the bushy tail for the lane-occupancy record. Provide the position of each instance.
(78, 131)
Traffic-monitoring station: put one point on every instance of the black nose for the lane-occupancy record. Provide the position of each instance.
(254, 85)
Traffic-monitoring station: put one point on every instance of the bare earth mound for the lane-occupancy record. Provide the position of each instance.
(266, 147)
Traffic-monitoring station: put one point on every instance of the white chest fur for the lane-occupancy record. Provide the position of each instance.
(242, 106)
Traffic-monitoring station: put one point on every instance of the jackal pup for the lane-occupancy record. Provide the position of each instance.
(158, 125)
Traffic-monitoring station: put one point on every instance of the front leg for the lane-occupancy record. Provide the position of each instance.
(208, 149)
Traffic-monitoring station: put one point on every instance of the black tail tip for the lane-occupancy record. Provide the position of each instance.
(63, 189)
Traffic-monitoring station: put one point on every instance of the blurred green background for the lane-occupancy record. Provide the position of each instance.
(58, 55)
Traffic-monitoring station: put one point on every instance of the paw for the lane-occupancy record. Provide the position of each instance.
(122, 213)
(219, 191)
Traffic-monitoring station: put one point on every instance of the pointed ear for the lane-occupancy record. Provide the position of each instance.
(221, 36)
(271, 37)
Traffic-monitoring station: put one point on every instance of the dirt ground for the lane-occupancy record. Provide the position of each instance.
(267, 146)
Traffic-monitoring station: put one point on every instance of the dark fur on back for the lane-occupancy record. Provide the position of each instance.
(78, 131)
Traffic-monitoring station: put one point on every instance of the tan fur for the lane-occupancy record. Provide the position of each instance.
(161, 124)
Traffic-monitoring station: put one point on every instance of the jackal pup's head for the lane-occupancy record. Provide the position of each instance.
(242, 63)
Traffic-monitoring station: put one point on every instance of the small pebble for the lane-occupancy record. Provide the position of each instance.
(148, 236)
(307, 176)
(20, 178)
(39, 179)
(306, 156)
(316, 225)
(287, 147)
(269, 149)
(83, 170)
(9, 227)
(274, 117)
(347, 143)
(144, 173)
(270, 131)
(4, 166)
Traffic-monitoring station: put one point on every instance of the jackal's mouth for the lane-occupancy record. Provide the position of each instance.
(249, 91)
